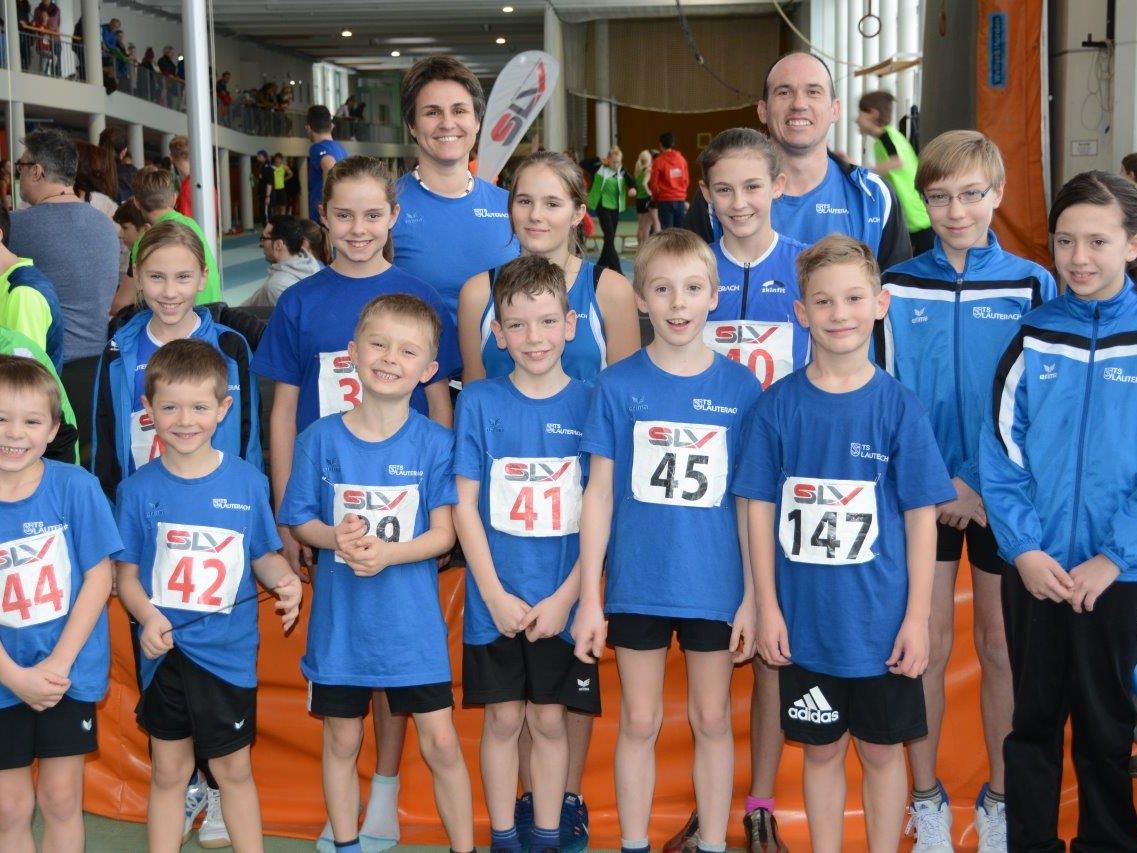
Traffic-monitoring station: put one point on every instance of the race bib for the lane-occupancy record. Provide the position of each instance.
(388, 512)
(338, 383)
(535, 496)
(679, 464)
(35, 576)
(144, 442)
(828, 522)
(197, 568)
(765, 349)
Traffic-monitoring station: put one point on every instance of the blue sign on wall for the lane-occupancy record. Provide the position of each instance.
(997, 50)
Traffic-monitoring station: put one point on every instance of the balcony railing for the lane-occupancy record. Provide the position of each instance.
(50, 53)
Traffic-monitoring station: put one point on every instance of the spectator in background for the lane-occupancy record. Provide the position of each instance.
(148, 60)
(646, 223)
(316, 241)
(167, 64)
(109, 32)
(282, 242)
(281, 173)
(71, 243)
(895, 161)
(1129, 167)
(347, 107)
(262, 185)
(46, 19)
(113, 139)
(323, 153)
(6, 184)
(132, 224)
(669, 182)
(23, 19)
(610, 187)
(224, 98)
(96, 177)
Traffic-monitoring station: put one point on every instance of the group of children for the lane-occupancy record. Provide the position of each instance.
(750, 481)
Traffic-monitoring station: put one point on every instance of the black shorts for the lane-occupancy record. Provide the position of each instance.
(643, 205)
(645, 633)
(349, 701)
(982, 549)
(818, 709)
(68, 728)
(279, 198)
(545, 672)
(185, 700)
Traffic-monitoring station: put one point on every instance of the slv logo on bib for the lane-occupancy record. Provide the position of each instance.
(338, 383)
(35, 579)
(765, 349)
(828, 522)
(144, 442)
(388, 512)
(535, 496)
(679, 464)
(197, 567)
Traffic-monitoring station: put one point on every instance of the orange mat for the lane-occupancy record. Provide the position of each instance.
(286, 757)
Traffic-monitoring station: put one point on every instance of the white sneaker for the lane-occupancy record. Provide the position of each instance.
(326, 842)
(932, 825)
(991, 825)
(213, 833)
(195, 802)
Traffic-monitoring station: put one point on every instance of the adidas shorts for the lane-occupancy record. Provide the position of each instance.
(818, 709)
(185, 700)
(982, 549)
(545, 672)
(642, 633)
(350, 701)
(68, 728)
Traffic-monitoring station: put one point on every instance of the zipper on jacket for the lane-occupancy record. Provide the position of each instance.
(958, 366)
(745, 289)
(1082, 435)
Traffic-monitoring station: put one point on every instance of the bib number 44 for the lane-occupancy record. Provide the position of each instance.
(35, 580)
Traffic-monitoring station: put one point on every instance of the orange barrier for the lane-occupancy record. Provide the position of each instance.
(286, 757)
(1008, 108)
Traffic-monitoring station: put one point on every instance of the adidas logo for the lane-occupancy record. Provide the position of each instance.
(813, 707)
(583, 685)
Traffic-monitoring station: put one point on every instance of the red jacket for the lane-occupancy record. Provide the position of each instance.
(669, 180)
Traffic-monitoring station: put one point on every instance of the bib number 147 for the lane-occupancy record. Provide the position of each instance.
(828, 522)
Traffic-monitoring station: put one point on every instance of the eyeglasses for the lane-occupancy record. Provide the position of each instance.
(265, 239)
(966, 197)
(19, 164)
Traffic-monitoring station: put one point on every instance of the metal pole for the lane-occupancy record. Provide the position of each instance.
(602, 113)
(199, 93)
(137, 145)
(96, 123)
(223, 179)
(92, 43)
(16, 133)
(12, 36)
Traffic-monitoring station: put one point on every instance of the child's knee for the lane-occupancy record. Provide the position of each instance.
(546, 721)
(440, 747)
(504, 720)
(991, 647)
(880, 754)
(171, 771)
(710, 719)
(60, 799)
(940, 640)
(236, 768)
(343, 736)
(824, 753)
(16, 807)
(638, 722)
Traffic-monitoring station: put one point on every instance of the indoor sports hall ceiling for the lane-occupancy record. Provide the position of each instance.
(468, 29)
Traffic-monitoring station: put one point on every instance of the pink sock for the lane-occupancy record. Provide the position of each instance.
(753, 803)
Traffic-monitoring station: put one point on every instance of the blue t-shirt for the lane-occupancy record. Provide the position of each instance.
(316, 153)
(525, 454)
(775, 344)
(841, 470)
(51, 539)
(194, 541)
(837, 205)
(445, 241)
(584, 356)
(673, 549)
(305, 343)
(386, 630)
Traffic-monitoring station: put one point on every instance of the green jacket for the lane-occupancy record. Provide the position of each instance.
(605, 184)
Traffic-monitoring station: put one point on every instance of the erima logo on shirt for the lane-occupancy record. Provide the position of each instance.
(495, 425)
(1116, 374)
(557, 429)
(919, 315)
(985, 312)
(411, 218)
(865, 451)
(700, 404)
(813, 707)
(773, 286)
(484, 213)
(223, 503)
(399, 471)
(1049, 371)
(826, 207)
(637, 405)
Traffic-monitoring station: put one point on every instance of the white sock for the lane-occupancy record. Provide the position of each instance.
(382, 818)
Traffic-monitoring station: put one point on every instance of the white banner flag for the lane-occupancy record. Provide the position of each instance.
(520, 92)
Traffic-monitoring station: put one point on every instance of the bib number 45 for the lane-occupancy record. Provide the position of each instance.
(679, 464)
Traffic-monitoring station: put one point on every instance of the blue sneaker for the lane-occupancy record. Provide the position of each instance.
(523, 820)
(574, 824)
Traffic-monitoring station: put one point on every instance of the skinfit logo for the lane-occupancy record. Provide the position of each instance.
(1116, 374)
(1049, 371)
(813, 707)
(773, 286)
(986, 312)
(919, 315)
